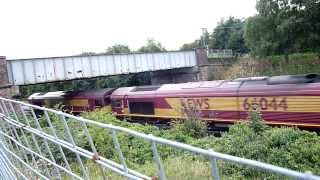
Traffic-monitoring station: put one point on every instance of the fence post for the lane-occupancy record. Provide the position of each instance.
(157, 160)
(214, 167)
(118, 148)
(70, 137)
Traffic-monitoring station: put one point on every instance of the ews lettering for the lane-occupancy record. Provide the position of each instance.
(195, 103)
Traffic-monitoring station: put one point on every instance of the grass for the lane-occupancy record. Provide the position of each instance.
(176, 168)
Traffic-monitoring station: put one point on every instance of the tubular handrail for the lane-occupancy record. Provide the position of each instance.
(122, 168)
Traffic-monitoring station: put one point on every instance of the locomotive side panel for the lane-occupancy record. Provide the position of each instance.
(205, 107)
(283, 104)
(214, 101)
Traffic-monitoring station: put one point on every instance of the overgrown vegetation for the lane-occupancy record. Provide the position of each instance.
(282, 146)
(190, 126)
(298, 63)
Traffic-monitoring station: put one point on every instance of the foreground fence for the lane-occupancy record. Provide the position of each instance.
(26, 148)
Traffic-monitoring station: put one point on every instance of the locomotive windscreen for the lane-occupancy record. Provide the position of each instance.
(141, 108)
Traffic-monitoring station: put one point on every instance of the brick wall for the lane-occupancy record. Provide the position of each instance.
(9, 92)
(6, 90)
(202, 57)
(210, 72)
(3, 72)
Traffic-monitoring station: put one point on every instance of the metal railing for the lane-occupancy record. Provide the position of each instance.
(220, 53)
(22, 134)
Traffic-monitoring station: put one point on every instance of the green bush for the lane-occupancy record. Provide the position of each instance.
(135, 150)
(282, 146)
(191, 126)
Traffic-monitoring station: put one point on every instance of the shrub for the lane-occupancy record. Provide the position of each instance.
(282, 146)
(256, 121)
(192, 125)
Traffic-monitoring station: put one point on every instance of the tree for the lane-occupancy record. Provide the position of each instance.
(258, 37)
(283, 27)
(236, 42)
(117, 49)
(152, 46)
(229, 35)
(190, 46)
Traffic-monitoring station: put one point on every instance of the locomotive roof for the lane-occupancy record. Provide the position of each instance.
(47, 95)
(219, 84)
(145, 90)
(94, 93)
(72, 94)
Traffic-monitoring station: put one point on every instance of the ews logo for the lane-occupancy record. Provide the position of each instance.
(195, 103)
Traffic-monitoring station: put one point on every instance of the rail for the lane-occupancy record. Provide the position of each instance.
(22, 134)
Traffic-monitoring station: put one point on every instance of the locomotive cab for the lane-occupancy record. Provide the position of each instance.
(134, 101)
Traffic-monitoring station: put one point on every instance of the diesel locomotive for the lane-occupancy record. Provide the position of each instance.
(292, 100)
(74, 101)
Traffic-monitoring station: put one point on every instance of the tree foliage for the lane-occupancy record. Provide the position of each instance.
(118, 49)
(152, 46)
(190, 46)
(283, 27)
(229, 35)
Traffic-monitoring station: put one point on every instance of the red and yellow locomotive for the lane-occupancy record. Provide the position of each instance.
(283, 100)
(74, 101)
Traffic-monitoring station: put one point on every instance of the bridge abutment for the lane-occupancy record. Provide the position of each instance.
(6, 89)
(174, 76)
(206, 69)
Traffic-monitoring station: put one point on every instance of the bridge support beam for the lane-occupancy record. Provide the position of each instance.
(173, 76)
(6, 89)
(205, 72)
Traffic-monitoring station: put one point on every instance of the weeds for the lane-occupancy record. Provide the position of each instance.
(256, 121)
(299, 63)
(285, 147)
(192, 125)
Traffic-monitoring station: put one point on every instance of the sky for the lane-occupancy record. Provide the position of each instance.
(43, 28)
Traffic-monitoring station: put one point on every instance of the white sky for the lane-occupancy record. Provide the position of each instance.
(41, 28)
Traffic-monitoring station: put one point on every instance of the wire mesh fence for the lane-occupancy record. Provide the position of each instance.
(36, 142)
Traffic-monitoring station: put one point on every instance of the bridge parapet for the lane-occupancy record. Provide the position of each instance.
(42, 70)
